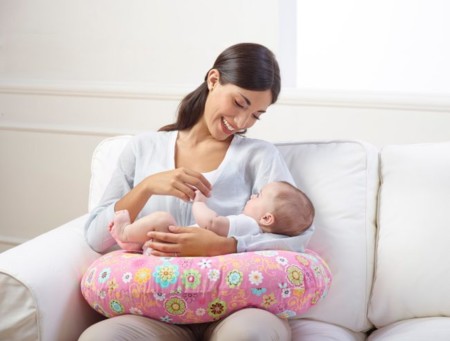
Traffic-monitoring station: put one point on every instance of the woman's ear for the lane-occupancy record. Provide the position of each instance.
(267, 219)
(212, 78)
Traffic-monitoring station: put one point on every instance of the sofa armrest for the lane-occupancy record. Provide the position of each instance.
(40, 297)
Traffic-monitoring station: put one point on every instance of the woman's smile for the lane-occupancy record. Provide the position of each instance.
(228, 128)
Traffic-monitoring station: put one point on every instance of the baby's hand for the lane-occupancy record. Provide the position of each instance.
(199, 197)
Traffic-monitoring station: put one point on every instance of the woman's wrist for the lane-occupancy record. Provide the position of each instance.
(224, 246)
(134, 200)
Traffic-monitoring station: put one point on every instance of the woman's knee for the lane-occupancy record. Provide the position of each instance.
(250, 324)
(136, 328)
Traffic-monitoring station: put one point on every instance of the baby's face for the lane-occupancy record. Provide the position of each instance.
(261, 203)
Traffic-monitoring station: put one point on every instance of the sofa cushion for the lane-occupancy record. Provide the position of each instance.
(412, 270)
(341, 178)
(309, 330)
(417, 329)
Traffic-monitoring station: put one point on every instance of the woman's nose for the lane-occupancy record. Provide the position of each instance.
(242, 120)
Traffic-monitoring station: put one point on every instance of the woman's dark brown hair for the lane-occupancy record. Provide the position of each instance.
(249, 66)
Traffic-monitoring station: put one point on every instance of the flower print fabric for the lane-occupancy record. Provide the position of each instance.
(204, 289)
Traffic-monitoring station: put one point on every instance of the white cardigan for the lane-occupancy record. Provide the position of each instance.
(248, 165)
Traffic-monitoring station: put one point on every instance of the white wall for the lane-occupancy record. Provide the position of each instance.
(383, 46)
(75, 72)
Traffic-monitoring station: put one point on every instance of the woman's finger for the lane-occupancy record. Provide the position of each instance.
(163, 254)
(187, 192)
(202, 184)
(164, 249)
(166, 237)
(196, 180)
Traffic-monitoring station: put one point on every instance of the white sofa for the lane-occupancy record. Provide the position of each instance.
(383, 226)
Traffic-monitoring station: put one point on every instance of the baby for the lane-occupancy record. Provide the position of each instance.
(278, 208)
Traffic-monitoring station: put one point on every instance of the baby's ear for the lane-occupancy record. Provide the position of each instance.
(267, 219)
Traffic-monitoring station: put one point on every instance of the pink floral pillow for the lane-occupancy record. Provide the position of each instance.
(204, 289)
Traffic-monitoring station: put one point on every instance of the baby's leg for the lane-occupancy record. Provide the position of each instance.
(156, 221)
(131, 237)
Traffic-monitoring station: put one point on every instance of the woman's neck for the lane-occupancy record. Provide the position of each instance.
(199, 150)
(198, 134)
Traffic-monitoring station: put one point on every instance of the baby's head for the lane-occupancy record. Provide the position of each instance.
(281, 208)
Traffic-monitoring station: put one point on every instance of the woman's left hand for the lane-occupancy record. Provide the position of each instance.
(189, 241)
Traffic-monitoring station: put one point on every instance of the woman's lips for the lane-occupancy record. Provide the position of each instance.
(228, 128)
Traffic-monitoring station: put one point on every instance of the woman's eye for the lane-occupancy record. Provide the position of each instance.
(238, 104)
(256, 117)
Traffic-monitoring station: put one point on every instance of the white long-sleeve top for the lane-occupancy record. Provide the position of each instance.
(256, 239)
(248, 165)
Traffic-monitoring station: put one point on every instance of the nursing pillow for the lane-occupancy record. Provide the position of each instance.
(203, 289)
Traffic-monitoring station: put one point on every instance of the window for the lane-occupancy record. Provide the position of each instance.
(379, 46)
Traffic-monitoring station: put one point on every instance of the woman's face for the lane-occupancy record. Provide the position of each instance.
(230, 109)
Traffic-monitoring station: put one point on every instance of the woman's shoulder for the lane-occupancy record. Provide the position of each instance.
(148, 142)
(254, 144)
(151, 138)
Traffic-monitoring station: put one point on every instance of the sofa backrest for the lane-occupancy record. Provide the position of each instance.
(104, 161)
(341, 178)
(412, 277)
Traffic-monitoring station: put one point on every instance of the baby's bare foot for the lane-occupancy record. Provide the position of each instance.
(117, 230)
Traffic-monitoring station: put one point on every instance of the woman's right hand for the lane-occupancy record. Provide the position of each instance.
(181, 183)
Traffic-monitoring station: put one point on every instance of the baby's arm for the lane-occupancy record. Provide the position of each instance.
(207, 218)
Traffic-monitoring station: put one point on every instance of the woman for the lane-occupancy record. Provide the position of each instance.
(202, 150)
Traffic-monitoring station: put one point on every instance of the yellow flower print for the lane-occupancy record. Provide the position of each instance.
(142, 275)
(302, 260)
(299, 291)
(316, 298)
(295, 275)
(268, 300)
(166, 274)
(112, 285)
